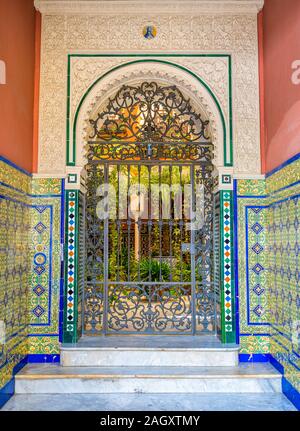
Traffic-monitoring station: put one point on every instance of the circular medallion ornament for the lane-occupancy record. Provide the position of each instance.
(39, 259)
(149, 32)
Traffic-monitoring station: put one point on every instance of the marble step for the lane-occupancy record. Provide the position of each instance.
(56, 379)
(150, 402)
(149, 351)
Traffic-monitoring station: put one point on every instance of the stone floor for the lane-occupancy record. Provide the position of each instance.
(150, 402)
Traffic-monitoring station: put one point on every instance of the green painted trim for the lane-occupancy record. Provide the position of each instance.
(230, 163)
(226, 162)
(149, 55)
(68, 107)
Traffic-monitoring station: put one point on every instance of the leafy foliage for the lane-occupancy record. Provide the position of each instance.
(158, 271)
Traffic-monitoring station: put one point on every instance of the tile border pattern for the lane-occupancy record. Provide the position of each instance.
(227, 265)
(71, 254)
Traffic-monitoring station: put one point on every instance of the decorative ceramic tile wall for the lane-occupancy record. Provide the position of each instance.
(46, 237)
(31, 294)
(14, 266)
(268, 270)
(251, 266)
(283, 186)
(267, 231)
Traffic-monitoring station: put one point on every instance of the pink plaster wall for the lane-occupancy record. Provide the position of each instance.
(17, 48)
(281, 45)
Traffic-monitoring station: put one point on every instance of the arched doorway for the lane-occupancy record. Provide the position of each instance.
(148, 215)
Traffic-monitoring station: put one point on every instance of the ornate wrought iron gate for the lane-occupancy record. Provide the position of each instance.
(149, 217)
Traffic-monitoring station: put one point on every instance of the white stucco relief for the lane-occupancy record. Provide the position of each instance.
(234, 34)
(201, 99)
(85, 71)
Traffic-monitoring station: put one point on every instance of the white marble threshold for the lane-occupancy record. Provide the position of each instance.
(151, 342)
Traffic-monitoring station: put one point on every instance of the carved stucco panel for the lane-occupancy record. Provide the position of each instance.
(181, 31)
(52, 138)
(235, 35)
(77, 31)
(98, 30)
(232, 33)
(54, 33)
(202, 33)
(200, 97)
(148, 71)
(246, 113)
(214, 71)
(85, 71)
(245, 150)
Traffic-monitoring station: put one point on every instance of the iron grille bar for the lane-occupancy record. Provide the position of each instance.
(106, 251)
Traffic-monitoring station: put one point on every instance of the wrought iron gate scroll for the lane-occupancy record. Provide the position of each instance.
(146, 270)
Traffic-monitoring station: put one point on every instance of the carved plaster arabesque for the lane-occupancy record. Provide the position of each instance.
(213, 70)
(165, 73)
(162, 73)
(235, 35)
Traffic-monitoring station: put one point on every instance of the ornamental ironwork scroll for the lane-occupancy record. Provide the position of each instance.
(150, 151)
(149, 112)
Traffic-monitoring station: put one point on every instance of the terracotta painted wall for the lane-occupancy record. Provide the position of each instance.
(17, 49)
(281, 45)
